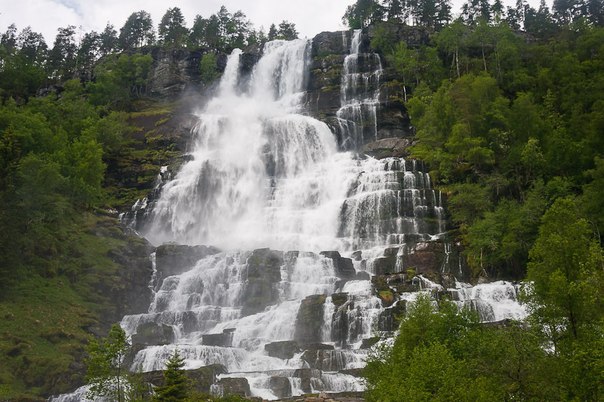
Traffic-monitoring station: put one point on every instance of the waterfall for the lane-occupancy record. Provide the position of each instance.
(283, 303)
(359, 95)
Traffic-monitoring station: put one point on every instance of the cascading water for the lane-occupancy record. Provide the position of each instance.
(263, 176)
(359, 95)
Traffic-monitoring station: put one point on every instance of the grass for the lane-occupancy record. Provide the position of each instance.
(45, 322)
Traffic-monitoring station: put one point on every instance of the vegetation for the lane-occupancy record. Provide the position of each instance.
(510, 124)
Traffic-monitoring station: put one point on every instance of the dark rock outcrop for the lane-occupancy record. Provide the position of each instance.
(235, 386)
(174, 259)
(343, 266)
(173, 71)
(224, 339)
(263, 273)
(310, 319)
(282, 349)
(280, 386)
(388, 147)
(151, 333)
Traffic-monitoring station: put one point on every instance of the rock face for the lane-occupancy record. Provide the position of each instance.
(282, 349)
(224, 339)
(310, 319)
(343, 266)
(235, 386)
(174, 259)
(132, 294)
(174, 71)
(151, 333)
(263, 273)
(280, 386)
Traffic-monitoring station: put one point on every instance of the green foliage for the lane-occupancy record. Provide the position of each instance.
(120, 80)
(172, 30)
(106, 373)
(444, 354)
(207, 68)
(176, 384)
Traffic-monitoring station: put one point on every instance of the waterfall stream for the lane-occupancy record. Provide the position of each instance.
(302, 221)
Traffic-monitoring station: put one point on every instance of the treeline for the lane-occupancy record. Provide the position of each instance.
(436, 14)
(27, 63)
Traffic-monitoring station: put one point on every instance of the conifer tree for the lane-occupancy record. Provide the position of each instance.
(176, 383)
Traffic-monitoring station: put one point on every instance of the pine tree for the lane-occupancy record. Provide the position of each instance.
(176, 383)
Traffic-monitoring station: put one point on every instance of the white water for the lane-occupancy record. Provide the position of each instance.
(359, 95)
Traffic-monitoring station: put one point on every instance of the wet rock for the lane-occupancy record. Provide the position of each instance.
(391, 317)
(325, 359)
(326, 43)
(362, 276)
(369, 342)
(151, 333)
(225, 339)
(280, 386)
(235, 386)
(310, 319)
(384, 265)
(355, 372)
(282, 349)
(357, 255)
(263, 273)
(174, 259)
(343, 266)
(339, 298)
(388, 147)
(173, 71)
(425, 258)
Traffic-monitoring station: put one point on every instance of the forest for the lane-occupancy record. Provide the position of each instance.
(507, 105)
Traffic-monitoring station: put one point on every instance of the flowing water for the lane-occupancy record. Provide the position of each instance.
(264, 178)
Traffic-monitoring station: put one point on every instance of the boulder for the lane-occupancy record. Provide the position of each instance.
(151, 333)
(280, 386)
(235, 386)
(282, 349)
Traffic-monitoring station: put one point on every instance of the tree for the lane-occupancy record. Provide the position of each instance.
(172, 30)
(396, 11)
(176, 383)
(62, 57)
(566, 299)
(88, 54)
(108, 40)
(362, 13)
(565, 268)
(137, 31)
(272, 32)
(106, 372)
(287, 31)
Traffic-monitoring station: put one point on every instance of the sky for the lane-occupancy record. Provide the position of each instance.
(45, 16)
